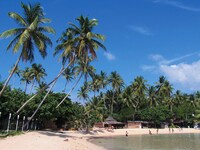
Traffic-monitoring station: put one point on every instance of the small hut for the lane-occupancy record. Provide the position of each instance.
(110, 122)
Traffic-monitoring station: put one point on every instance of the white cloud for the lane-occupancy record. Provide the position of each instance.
(188, 75)
(141, 30)
(161, 60)
(109, 56)
(177, 4)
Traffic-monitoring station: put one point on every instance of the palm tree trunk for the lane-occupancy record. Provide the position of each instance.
(112, 103)
(54, 80)
(26, 103)
(40, 103)
(70, 91)
(11, 74)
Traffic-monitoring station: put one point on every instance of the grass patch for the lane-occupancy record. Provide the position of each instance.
(4, 134)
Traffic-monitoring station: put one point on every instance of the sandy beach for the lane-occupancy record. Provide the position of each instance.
(73, 140)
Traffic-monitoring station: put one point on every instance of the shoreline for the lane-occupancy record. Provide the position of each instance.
(75, 140)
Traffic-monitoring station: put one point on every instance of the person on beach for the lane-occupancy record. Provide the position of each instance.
(172, 130)
(126, 133)
(157, 130)
(150, 132)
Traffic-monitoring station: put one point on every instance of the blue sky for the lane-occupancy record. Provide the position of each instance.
(143, 37)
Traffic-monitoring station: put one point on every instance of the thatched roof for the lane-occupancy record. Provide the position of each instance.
(111, 120)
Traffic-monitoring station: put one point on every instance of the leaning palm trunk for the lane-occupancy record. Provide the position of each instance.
(41, 103)
(11, 74)
(54, 80)
(70, 91)
(39, 91)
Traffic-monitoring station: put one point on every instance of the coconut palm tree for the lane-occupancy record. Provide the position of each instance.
(77, 44)
(26, 77)
(139, 88)
(68, 75)
(83, 92)
(103, 80)
(29, 34)
(37, 74)
(82, 70)
(152, 99)
(116, 83)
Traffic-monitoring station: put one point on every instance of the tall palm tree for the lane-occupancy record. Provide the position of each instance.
(116, 83)
(77, 43)
(29, 34)
(37, 74)
(139, 88)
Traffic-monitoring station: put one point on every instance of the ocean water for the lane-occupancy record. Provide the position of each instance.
(151, 142)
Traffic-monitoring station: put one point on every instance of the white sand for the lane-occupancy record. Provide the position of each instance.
(72, 140)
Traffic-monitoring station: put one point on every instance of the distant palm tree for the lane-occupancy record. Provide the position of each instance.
(139, 88)
(82, 70)
(42, 87)
(26, 77)
(37, 73)
(152, 99)
(68, 75)
(116, 83)
(83, 92)
(29, 34)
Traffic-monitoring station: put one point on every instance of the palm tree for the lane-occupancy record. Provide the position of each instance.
(87, 41)
(152, 99)
(68, 74)
(29, 34)
(103, 81)
(77, 43)
(95, 84)
(139, 88)
(178, 97)
(37, 74)
(26, 77)
(128, 97)
(116, 83)
(83, 92)
(42, 87)
(82, 70)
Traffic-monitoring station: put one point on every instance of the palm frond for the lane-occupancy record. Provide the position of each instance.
(23, 37)
(11, 32)
(19, 19)
(47, 29)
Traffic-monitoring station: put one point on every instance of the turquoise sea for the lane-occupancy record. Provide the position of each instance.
(151, 142)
